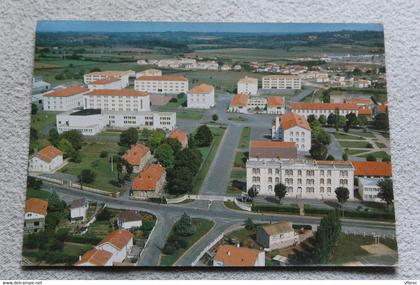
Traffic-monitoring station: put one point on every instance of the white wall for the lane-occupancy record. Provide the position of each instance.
(117, 103)
(200, 101)
(39, 165)
(65, 103)
(161, 86)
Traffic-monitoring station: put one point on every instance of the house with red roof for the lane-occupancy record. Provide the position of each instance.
(47, 160)
(318, 109)
(35, 213)
(179, 135)
(239, 103)
(295, 128)
(137, 156)
(64, 99)
(106, 83)
(114, 248)
(276, 105)
(149, 183)
(233, 256)
(201, 97)
(122, 75)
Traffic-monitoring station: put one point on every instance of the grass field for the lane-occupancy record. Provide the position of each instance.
(239, 159)
(378, 154)
(380, 145)
(354, 144)
(348, 247)
(362, 134)
(202, 227)
(100, 228)
(40, 194)
(76, 249)
(208, 156)
(354, 152)
(189, 115)
(238, 174)
(341, 136)
(91, 160)
(245, 137)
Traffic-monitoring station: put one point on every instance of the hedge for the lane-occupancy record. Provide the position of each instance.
(51, 257)
(305, 227)
(351, 213)
(86, 238)
(275, 208)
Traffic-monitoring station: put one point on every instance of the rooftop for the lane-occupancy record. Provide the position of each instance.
(272, 149)
(323, 106)
(239, 100)
(148, 178)
(116, 92)
(202, 89)
(118, 238)
(275, 101)
(48, 153)
(37, 206)
(178, 134)
(135, 154)
(77, 203)
(372, 168)
(86, 112)
(248, 80)
(97, 257)
(281, 77)
(291, 120)
(278, 228)
(106, 81)
(66, 92)
(111, 73)
(129, 216)
(163, 78)
(236, 256)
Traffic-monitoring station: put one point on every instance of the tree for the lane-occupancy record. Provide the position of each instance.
(203, 137)
(318, 151)
(326, 237)
(351, 121)
(381, 121)
(252, 192)
(330, 157)
(331, 119)
(215, 117)
(249, 224)
(34, 109)
(75, 137)
(341, 121)
(33, 136)
(190, 158)
(104, 215)
(386, 192)
(174, 143)
(66, 147)
(165, 155)
(156, 138)
(86, 176)
(361, 121)
(342, 194)
(386, 158)
(322, 120)
(53, 137)
(179, 181)
(345, 156)
(129, 137)
(311, 118)
(184, 227)
(370, 157)
(55, 204)
(280, 191)
(33, 183)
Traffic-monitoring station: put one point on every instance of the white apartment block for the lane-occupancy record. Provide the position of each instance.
(92, 121)
(256, 103)
(117, 100)
(276, 105)
(149, 72)
(248, 85)
(100, 75)
(201, 97)
(281, 82)
(308, 179)
(109, 83)
(64, 99)
(369, 189)
(318, 109)
(164, 84)
(293, 128)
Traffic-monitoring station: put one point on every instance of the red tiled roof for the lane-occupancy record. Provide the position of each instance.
(116, 92)
(372, 168)
(291, 120)
(275, 101)
(135, 154)
(239, 100)
(180, 135)
(66, 92)
(35, 205)
(202, 89)
(236, 256)
(105, 81)
(322, 106)
(383, 108)
(272, 149)
(110, 73)
(48, 153)
(365, 111)
(148, 178)
(118, 238)
(97, 257)
(162, 78)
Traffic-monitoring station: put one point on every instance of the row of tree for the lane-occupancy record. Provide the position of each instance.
(69, 142)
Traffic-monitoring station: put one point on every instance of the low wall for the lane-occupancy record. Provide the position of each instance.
(243, 206)
(176, 200)
(49, 179)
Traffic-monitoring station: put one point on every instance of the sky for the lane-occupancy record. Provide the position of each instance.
(105, 26)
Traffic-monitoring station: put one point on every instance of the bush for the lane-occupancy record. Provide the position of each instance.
(103, 154)
(305, 227)
(275, 208)
(173, 100)
(104, 215)
(169, 249)
(86, 238)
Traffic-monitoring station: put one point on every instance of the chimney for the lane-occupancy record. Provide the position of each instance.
(228, 253)
(237, 245)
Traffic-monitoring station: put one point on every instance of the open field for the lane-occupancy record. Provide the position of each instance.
(208, 156)
(341, 136)
(202, 227)
(101, 166)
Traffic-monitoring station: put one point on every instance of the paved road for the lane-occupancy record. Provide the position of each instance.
(335, 149)
(223, 217)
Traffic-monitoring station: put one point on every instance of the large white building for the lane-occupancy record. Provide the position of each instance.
(46, 160)
(109, 83)
(276, 105)
(117, 100)
(123, 75)
(239, 104)
(92, 121)
(64, 99)
(165, 84)
(318, 109)
(201, 97)
(368, 189)
(293, 128)
(281, 82)
(308, 179)
(248, 85)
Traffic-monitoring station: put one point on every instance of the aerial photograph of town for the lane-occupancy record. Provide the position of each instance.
(160, 144)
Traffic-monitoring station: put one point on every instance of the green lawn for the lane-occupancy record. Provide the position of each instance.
(239, 159)
(202, 227)
(341, 136)
(348, 247)
(189, 114)
(233, 191)
(379, 154)
(40, 194)
(362, 134)
(100, 228)
(101, 166)
(243, 236)
(76, 249)
(380, 145)
(42, 120)
(245, 137)
(354, 152)
(238, 174)
(354, 144)
(208, 156)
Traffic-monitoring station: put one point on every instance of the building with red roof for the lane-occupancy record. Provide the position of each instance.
(164, 84)
(276, 105)
(64, 99)
(137, 156)
(123, 75)
(295, 128)
(318, 109)
(149, 183)
(180, 135)
(239, 103)
(229, 255)
(201, 97)
(35, 212)
(106, 83)
(47, 160)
